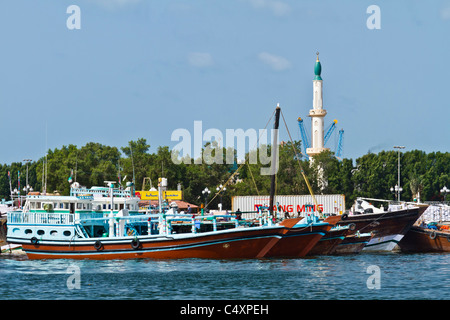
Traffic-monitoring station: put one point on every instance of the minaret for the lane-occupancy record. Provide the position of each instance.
(317, 114)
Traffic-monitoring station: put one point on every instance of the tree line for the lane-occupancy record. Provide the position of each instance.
(371, 175)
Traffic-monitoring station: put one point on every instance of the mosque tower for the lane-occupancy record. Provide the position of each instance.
(317, 114)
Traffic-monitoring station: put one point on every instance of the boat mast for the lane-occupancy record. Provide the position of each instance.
(274, 164)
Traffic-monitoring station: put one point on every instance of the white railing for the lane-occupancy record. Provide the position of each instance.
(39, 218)
(436, 213)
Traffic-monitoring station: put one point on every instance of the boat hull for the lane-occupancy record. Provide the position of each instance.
(329, 242)
(352, 244)
(419, 239)
(386, 243)
(388, 228)
(237, 243)
(298, 241)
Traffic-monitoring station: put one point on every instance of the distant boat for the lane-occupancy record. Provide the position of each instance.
(12, 249)
(6, 206)
(387, 227)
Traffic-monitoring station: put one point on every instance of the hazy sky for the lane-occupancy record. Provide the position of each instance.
(141, 69)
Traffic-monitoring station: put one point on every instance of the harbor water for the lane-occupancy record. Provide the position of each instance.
(365, 276)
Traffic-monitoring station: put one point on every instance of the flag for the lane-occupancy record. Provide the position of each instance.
(70, 178)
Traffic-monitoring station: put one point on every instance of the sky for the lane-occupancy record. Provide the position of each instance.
(143, 68)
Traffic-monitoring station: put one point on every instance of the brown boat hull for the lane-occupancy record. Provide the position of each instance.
(236, 244)
(352, 244)
(298, 241)
(384, 224)
(388, 228)
(329, 242)
(425, 240)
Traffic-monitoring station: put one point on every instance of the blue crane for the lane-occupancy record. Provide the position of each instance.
(339, 146)
(332, 127)
(329, 131)
(305, 140)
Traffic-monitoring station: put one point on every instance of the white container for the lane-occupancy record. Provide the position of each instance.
(294, 205)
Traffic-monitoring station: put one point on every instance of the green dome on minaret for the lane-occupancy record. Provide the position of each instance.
(317, 69)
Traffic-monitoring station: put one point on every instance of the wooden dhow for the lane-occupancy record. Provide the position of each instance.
(435, 238)
(104, 223)
(47, 228)
(387, 227)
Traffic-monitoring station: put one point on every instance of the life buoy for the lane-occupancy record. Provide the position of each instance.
(34, 240)
(352, 226)
(98, 245)
(433, 235)
(135, 243)
(344, 216)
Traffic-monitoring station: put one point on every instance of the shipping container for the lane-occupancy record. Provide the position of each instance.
(294, 205)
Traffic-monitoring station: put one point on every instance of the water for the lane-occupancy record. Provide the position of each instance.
(402, 276)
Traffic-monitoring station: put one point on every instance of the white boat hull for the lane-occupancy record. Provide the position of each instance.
(12, 249)
(386, 243)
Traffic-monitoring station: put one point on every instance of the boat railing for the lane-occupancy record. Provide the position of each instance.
(104, 192)
(167, 217)
(40, 218)
(166, 222)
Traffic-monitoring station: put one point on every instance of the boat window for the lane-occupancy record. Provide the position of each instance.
(53, 233)
(38, 205)
(78, 205)
(116, 206)
(66, 205)
(67, 233)
(84, 206)
(127, 206)
(55, 205)
(104, 206)
(41, 232)
(28, 231)
(32, 205)
(61, 205)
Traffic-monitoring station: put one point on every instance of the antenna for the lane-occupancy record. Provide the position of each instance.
(132, 162)
(46, 156)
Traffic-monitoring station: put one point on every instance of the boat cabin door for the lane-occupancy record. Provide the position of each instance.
(72, 207)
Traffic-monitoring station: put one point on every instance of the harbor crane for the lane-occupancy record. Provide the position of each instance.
(339, 146)
(305, 140)
(332, 127)
(330, 131)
